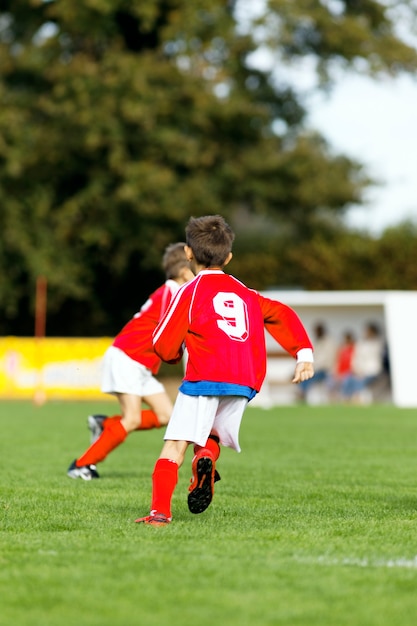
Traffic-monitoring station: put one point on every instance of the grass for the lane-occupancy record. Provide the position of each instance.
(314, 523)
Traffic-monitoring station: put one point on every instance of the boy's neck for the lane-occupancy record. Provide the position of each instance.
(201, 268)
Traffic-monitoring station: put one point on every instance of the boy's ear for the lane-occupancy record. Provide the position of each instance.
(188, 253)
(228, 259)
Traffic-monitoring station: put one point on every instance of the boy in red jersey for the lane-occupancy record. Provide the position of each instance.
(221, 322)
(128, 369)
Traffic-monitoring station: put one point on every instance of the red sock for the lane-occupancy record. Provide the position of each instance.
(113, 435)
(164, 481)
(212, 447)
(149, 420)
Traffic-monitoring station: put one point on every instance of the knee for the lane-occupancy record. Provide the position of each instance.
(164, 418)
(131, 422)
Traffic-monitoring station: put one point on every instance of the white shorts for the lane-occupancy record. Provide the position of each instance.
(195, 417)
(121, 374)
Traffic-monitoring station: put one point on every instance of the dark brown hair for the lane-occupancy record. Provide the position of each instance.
(210, 238)
(174, 260)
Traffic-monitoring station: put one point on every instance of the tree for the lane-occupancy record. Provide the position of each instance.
(335, 257)
(119, 120)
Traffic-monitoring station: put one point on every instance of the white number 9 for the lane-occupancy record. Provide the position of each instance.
(234, 312)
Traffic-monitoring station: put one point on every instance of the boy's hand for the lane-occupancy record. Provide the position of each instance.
(303, 371)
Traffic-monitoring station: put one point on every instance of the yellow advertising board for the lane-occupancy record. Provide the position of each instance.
(51, 368)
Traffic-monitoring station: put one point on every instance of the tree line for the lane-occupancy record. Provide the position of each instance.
(120, 120)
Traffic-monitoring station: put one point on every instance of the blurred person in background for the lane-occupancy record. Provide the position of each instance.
(343, 367)
(367, 365)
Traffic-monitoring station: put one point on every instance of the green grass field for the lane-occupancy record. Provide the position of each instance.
(314, 523)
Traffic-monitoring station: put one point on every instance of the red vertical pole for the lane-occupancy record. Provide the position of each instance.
(40, 306)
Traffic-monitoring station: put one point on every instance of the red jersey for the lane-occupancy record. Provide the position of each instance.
(135, 338)
(221, 322)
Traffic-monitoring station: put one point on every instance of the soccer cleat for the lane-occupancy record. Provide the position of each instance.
(95, 426)
(155, 519)
(202, 484)
(86, 472)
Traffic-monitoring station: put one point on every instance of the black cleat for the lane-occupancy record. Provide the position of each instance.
(202, 484)
(86, 472)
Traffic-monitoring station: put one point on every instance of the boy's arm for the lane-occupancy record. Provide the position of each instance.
(283, 323)
(169, 335)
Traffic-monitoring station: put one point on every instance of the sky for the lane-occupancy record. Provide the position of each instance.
(371, 120)
(375, 121)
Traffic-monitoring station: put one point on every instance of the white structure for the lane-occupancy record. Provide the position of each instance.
(394, 311)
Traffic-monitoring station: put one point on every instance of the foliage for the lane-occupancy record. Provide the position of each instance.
(358, 261)
(331, 258)
(119, 120)
(361, 34)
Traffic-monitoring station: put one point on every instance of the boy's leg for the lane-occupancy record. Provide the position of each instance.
(134, 418)
(164, 481)
(114, 432)
(225, 428)
(159, 412)
(112, 436)
(116, 429)
(204, 475)
(154, 417)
